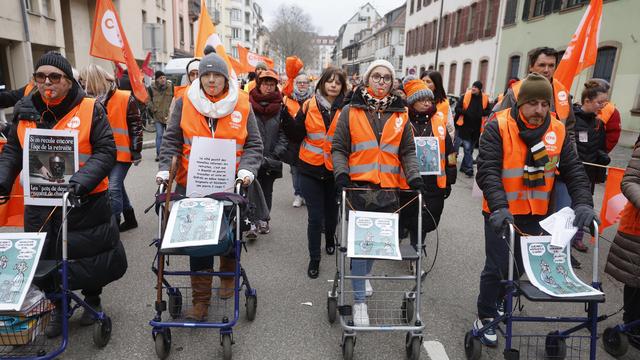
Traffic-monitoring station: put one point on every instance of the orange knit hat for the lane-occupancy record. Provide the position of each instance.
(416, 89)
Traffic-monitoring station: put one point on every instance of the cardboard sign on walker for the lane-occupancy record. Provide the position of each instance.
(50, 159)
(19, 256)
(193, 222)
(212, 166)
(428, 152)
(373, 235)
(549, 268)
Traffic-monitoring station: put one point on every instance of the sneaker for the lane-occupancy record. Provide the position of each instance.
(368, 288)
(313, 269)
(500, 307)
(252, 233)
(489, 336)
(360, 315)
(263, 227)
(297, 201)
(579, 245)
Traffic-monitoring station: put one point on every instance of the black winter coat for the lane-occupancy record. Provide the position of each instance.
(590, 141)
(489, 177)
(96, 253)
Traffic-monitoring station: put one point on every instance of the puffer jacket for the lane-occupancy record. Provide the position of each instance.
(96, 253)
(489, 177)
(623, 262)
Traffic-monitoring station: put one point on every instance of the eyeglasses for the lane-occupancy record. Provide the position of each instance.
(302, 82)
(385, 79)
(41, 77)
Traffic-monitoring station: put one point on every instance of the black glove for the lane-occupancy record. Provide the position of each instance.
(342, 181)
(499, 219)
(4, 195)
(447, 191)
(417, 184)
(76, 192)
(584, 216)
(26, 110)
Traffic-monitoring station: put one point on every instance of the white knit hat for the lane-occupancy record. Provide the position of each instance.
(375, 64)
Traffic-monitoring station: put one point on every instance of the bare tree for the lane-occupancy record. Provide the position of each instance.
(293, 33)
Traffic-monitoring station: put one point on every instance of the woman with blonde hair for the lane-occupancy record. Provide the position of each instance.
(126, 124)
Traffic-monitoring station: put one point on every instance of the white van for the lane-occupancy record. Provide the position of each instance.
(176, 70)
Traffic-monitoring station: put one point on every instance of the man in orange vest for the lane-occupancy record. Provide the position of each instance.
(521, 154)
(471, 112)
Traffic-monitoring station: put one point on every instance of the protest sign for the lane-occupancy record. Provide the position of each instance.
(373, 235)
(193, 222)
(428, 152)
(19, 255)
(212, 166)
(50, 159)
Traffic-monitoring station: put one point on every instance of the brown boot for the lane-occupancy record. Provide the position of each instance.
(201, 298)
(226, 282)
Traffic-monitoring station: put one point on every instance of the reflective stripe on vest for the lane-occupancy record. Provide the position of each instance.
(561, 104)
(522, 200)
(117, 115)
(373, 163)
(466, 101)
(79, 119)
(606, 112)
(232, 126)
(316, 146)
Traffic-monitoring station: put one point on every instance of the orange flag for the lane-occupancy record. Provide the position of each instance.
(582, 50)
(238, 67)
(109, 42)
(12, 212)
(251, 59)
(293, 65)
(613, 200)
(207, 35)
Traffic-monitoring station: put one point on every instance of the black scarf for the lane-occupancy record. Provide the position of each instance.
(537, 158)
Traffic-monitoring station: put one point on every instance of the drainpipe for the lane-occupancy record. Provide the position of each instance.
(435, 65)
(499, 25)
(27, 37)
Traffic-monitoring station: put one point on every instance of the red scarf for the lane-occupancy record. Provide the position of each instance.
(265, 105)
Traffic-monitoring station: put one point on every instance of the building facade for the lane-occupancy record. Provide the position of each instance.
(467, 38)
(185, 13)
(325, 44)
(553, 23)
(345, 52)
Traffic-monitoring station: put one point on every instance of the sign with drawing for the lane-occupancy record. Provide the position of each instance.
(193, 222)
(428, 152)
(373, 235)
(19, 255)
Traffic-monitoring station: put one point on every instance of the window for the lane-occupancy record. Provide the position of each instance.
(247, 35)
(482, 71)
(572, 3)
(234, 51)
(45, 8)
(236, 15)
(510, 12)
(191, 35)
(28, 5)
(144, 20)
(411, 6)
(473, 19)
(419, 5)
(430, 67)
(492, 18)
(247, 17)
(452, 78)
(605, 62)
(235, 33)
(164, 35)
(538, 8)
(441, 69)
(466, 76)
(181, 25)
(514, 67)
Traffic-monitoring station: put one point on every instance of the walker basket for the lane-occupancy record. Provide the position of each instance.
(22, 333)
(550, 346)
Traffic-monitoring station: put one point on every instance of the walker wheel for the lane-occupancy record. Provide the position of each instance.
(332, 309)
(348, 344)
(163, 343)
(615, 342)
(175, 302)
(555, 347)
(472, 346)
(102, 332)
(412, 346)
(251, 305)
(226, 347)
(408, 309)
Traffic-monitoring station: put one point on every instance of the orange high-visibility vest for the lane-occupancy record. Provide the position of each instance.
(562, 106)
(79, 119)
(523, 200)
(372, 162)
(630, 220)
(439, 130)
(444, 108)
(29, 87)
(606, 112)
(178, 91)
(315, 149)
(292, 106)
(232, 126)
(117, 115)
(465, 105)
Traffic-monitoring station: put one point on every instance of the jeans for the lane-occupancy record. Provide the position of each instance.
(295, 179)
(467, 160)
(322, 209)
(496, 266)
(117, 192)
(360, 267)
(160, 127)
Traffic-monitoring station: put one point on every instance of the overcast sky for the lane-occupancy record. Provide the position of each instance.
(327, 15)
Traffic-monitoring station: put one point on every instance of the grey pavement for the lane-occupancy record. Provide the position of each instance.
(276, 264)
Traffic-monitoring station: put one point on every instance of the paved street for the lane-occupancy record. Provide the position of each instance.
(276, 263)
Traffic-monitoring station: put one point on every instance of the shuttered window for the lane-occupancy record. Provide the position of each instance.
(452, 78)
(466, 76)
(492, 18)
(514, 67)
(510, 12)
(482, 71)
(605, 61)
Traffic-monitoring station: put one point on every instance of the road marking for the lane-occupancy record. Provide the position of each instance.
(435, 350)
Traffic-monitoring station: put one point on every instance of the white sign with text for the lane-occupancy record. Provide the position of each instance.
(212, 166)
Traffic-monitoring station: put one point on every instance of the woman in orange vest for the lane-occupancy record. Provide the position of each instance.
(126, 124)
(433, 79)
(520, 154)
(622, 262)
(313, 127)
(373, 147)
(93, 238)
(213, 106)
(426, 122)
(610, 116)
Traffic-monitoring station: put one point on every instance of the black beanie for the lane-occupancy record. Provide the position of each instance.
(477, 84)
(55, 59)
(158, 74)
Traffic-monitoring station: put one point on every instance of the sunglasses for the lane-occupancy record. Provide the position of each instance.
(41, 77)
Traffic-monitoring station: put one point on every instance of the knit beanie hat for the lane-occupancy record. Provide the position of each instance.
(159, 74)
(375, 64)
(416, 90)
(478, 85)
(213, 63)
(535, 87)
(261, 65)
(56, 59)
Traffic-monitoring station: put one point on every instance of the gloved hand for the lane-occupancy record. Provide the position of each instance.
(342, 181)
(246, 177)
(162, 177)
(76, 191)
(4, 195)
(499, 219)
(417, 184)
(584, 216)
(26, 110)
